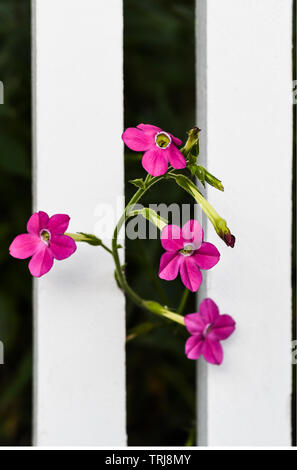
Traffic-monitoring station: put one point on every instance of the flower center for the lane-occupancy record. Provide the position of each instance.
(207, 329)
(187, 250)
(45, 236)
(163, 140)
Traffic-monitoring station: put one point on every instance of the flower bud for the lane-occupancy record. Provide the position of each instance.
(229, 239)
(219, 224)
(224, 232)
(191, 148)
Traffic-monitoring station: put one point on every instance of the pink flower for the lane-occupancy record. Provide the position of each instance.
(44, 241)
(186, 253)
(207, 328)
(160, 147)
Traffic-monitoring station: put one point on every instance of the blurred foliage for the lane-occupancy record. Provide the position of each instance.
(15, 207)
(159, 79)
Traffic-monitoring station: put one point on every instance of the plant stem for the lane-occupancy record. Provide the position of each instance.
(147, 263)
(183, 301)
(151, 306)
(79, 237)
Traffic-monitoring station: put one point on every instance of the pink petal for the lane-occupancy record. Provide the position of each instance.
(149, 129)
(194, 347)
(190, 274)
(176, 159)
(136, 139)
(62, 246)
(212, 351)
(193, 233)
(58, 224)
(207, 256)
(209, 310)
(41, 262)
(194, 323)
(37, 222)
(223, 327)
(171, 238)
(175, 140)
(24, 245)
(155, 162)
(169, 266)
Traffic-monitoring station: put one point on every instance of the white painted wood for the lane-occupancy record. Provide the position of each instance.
(79, 312)
(245, 105)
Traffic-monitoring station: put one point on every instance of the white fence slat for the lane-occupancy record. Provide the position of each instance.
(244, 57)
(79, 365)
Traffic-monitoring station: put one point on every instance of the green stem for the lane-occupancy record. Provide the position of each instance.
(106, 248)
(149, 268)
(183, 301)
(151, 306)
(92, 240)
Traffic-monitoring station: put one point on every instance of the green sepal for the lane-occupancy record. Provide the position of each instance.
(191, 149)
(204, 176)
(199, 172)
(196, 149)
(138, 182)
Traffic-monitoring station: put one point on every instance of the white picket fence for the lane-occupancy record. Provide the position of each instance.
(245, 109)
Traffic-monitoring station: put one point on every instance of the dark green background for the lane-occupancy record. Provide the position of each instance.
(15, 209)
(159, 77)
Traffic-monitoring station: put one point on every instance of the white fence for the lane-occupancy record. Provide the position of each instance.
(80, 316)
(245, 107)
(245, 51)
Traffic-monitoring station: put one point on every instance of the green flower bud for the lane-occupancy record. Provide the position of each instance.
(191, 148)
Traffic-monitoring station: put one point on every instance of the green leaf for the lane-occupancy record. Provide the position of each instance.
(213, 181)
(204, 176)
(142, 329)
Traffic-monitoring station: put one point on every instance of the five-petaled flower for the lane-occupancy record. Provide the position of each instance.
(44, 241)
(160, 147)
(207, 328)
(186, 253)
